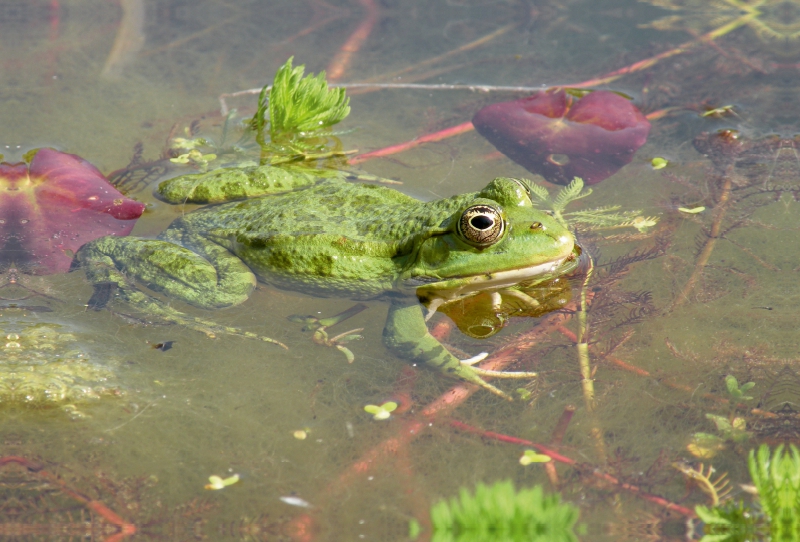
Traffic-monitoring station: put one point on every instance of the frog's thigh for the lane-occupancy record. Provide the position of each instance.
(219, 279)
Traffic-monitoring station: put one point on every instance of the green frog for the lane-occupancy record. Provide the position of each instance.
(330, 237)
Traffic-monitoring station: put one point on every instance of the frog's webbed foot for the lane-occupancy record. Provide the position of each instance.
(155, 308)
(407, 334)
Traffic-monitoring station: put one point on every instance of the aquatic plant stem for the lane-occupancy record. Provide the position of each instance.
(638, 371)
(125, 529)
(341, 61)
(555, 456)
(401, 147)
(556, 437)
(582, 345)
(680, 49)
(440, 135)
(433, 60)
(585, 365)
(708, 247)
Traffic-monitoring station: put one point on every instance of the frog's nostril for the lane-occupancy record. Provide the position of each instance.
(537, 226)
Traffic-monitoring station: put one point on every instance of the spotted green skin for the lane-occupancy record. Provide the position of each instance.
(326, 237)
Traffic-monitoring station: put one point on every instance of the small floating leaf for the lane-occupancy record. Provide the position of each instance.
(659, 163)
(692, 211)
(216, 482)
(382, 412)
(530, 456)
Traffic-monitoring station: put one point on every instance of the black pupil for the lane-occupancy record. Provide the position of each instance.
(481, 222)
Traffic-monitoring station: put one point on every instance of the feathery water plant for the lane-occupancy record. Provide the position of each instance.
(600, 218)
(298, 106)
(776, 476)
(501, 513)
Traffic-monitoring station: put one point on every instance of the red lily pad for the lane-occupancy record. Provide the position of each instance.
(53, 205)
(559, 138)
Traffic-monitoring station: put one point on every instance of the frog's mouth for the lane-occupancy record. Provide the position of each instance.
(434, 294)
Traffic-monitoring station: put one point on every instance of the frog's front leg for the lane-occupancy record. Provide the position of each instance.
(407, 335)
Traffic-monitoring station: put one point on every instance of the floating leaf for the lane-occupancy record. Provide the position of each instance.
(53, 205)
(530, 456)
(382, 412)
(216, 482)
(559, 138)
(659, 163)
(692, 211)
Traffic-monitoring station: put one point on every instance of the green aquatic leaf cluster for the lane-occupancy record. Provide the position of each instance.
(297, 107)
(776, 477)
(599, 218)
(736, 391)
(500, 513)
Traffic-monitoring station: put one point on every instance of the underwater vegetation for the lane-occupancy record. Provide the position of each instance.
(776, 477)
(558, 137)
(297, 109)
(501, 513)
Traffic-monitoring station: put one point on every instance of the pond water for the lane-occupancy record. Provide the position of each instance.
(669, 313)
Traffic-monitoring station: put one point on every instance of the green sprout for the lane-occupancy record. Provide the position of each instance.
(523, 394)
(500, 512)
(320, 328)
(600, 218)
(659, 163)
(530, 456)
(217, 482)
(706, 445)
(736, 391)
(298, 106)
(382, 412)
(719, 111)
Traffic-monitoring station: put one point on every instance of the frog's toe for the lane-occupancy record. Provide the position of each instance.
(474, 359)
(476, 375)
(504, 374)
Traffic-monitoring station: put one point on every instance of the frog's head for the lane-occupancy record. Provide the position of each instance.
(494, 240)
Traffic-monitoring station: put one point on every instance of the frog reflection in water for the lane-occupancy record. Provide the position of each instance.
(330, 237)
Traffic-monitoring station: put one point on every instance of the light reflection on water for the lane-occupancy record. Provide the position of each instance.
(96, 78)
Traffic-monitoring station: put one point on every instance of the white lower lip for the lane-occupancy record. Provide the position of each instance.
(498, 280)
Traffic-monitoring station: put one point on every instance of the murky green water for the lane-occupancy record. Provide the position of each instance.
(699, 297)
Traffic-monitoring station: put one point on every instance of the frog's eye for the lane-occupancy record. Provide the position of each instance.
(481, 225)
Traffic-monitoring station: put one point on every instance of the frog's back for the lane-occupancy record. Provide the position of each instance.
(334, 238)
(333, 207)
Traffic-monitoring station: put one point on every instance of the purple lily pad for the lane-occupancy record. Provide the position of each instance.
(53, 205)
(551, 134)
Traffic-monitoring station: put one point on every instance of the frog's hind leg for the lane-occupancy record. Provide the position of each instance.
(215, 278)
